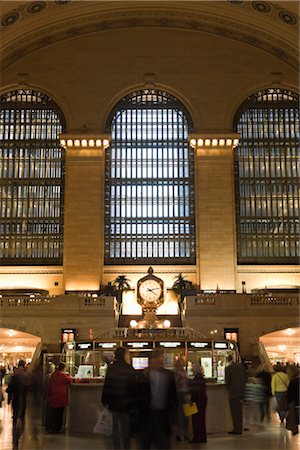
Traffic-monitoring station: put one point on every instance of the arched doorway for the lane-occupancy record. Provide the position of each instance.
(16, 345)
(283, 345)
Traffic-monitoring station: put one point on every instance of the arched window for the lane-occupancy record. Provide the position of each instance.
(149, 196)
(267, 178)
(31, 179)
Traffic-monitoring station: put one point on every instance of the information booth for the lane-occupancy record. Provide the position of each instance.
(186, 344)
(93, 357)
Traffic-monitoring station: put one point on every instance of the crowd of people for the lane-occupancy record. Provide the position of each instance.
(148, 404)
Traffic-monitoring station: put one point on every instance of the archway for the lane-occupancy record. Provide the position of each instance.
(283, 345)
(16, 345)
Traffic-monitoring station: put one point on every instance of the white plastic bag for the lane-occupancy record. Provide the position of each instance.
(104, 423)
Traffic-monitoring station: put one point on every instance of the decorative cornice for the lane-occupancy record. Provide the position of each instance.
(83, 141)
(144, 17)
(213, 140)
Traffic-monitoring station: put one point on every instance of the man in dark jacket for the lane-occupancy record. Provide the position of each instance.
(17, 393)
(118, 394)
(235, 379)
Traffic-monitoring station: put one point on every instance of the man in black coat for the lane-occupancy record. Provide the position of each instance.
(118, 394)
(235, 379)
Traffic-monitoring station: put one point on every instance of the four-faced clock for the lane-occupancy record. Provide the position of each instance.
(150, 290)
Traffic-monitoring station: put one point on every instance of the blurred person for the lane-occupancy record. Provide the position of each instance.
(197, 387)
(235, 379)
(17, 396)
(279, 385)
(264, 376)
(183, 396)
(46, 418)
(293, 399)
(2, 374)
(118, 393)
(57, 395)
(160, 404)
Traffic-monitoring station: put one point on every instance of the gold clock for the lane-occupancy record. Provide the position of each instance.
(150, 290)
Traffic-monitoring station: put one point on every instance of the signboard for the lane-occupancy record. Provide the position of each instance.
(67, 334)
(106, 345)
(232, 334)
(143, 345)
(221, 345)
(171, 344)
(199, 345)
(84, 345)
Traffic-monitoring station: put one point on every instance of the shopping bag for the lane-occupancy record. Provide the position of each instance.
(104, 422)
(189, 409)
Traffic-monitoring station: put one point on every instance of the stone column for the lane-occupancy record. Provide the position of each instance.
(84, 211)
(215, 210)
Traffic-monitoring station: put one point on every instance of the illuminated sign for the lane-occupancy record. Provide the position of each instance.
(84, 345)
(221, 345)
(138, 344)
(171, 344)
(105, 344)
(199, 344)
(67, 334)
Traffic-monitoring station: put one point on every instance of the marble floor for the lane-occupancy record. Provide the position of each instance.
(269, 436)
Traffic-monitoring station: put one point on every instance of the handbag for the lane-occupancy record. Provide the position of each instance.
(189, 409)
(104, 423)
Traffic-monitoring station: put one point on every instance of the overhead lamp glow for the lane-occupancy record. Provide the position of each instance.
(193, 142)
(91, 142)
(133, 323)
(167, 323)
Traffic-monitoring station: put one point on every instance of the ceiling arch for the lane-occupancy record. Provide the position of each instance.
(29, 26)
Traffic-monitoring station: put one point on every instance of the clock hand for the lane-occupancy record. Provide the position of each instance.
(154, 289)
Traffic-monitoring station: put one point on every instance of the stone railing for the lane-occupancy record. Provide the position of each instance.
(75, 303)
(270, 301)
(20, 302)
(238, 302)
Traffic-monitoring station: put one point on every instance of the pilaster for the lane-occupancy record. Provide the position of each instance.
(215, 210)
(84, 211)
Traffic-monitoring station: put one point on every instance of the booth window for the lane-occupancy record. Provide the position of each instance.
(31, 179)
(149, 195)
(267, 178)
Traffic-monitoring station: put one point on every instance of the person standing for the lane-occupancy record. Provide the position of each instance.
(159, 410)
(57, 395)
(264, 377)
(183, 396)
(293, 399)
(118, 394)
(17, 396)
(198, 395)
(235, 379)
(279, 384)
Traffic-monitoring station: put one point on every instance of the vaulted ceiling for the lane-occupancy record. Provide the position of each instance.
(272, 26)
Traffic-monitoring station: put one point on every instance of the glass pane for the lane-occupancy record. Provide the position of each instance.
(267, 178)
(31, 179)
(149, 132)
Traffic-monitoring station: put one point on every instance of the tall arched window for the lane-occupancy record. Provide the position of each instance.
(149, 215)
(31, 179)
(267, 178)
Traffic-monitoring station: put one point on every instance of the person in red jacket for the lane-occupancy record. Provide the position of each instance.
(58, 397)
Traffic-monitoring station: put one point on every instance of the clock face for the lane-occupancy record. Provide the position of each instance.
(150, 290)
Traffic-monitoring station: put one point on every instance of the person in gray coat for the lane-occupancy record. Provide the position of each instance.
(235, 379)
